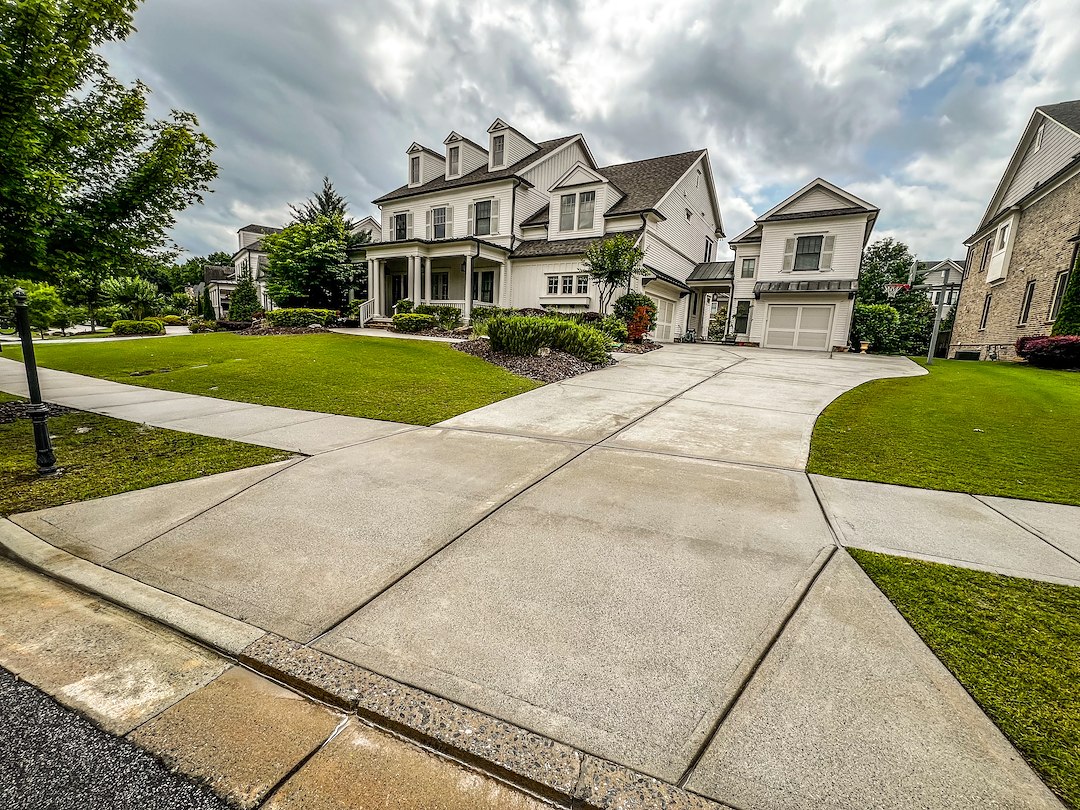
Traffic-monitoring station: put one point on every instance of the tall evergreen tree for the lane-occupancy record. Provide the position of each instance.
(1067, 321)
(244, 301)
(207, 306)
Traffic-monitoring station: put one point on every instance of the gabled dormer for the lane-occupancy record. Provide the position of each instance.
(462, 156)
(424, 164)
(578, 201)
(507, 146)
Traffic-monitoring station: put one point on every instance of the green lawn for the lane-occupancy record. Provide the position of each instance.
(1013, 644)
(414, 381)
(101, 456)
(985, 428)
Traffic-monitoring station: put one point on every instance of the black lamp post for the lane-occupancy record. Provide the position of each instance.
(39, 414)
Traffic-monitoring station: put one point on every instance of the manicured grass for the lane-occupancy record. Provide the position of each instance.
(414, 381)
(1013, 644)
(986, 428)
(102, 456)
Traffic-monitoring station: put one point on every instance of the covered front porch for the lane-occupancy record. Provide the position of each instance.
(713, 287)
(465, 273)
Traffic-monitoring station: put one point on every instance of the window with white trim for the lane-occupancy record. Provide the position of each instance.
(567, 204)
(749, 267)
(586, 208)
(567, 285)
(1025, 304)
(498, 146)
(455, 160)
(552, 285)
(1060, 283)
(808, 252)
(583, 285)
(483, 218)
(1037, 145)
(1002, 237)
(708, 249)
(985, 311)
(438, 223)
(440, 286)
(401, 227)
(414, 169)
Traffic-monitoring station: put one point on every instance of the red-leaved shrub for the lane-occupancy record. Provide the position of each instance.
(1062, 351)
(638, 325)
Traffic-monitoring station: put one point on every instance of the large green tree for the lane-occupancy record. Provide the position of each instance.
(886, 261)
(307, 264)
(89, 184)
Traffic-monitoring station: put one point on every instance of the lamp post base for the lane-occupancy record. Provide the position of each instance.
(46, 458)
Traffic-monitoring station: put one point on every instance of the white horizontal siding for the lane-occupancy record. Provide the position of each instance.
(744, 287)
(431, 167)
(1059, 146)
(847, 248)
(688, 235)
(665, 259)
(817, 199)
(516, 148)
(841, 323)
(458, 200)
(471, 157)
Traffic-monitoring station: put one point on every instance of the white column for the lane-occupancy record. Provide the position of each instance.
(468, 288)
(375, 285)
(427, 281)
(418, 289)
(504, 285)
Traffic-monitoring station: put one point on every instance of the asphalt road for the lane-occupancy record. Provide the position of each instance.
(52, 758)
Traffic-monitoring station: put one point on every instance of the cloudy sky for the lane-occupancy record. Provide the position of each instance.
(915, 105)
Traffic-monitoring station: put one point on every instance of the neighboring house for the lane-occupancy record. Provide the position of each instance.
(792, 284)
(939, 272)
(507, 224)
(1019, 257)
(251, 258)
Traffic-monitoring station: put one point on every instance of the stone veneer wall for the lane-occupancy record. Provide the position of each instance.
(1040, 252)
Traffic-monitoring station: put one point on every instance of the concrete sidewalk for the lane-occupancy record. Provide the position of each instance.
(632, 564)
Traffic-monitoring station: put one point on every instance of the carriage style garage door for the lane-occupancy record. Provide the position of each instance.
(665, 314)
(798, 327)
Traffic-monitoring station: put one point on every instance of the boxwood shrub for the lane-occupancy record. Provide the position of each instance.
(1062, 351)
(413, 322)
(149, 326)
(301, 317)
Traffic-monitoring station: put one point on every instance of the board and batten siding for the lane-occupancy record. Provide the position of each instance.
(529, 279)
(548, 171)
(602, 202)
(1059, 147)
(688, 235)
(849, 233)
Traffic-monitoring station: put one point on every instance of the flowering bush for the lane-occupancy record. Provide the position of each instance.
(1062, 351)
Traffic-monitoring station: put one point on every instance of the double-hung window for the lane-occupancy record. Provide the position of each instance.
(455, 160)
(748, 268)
(401, 226)
(567, 204)
(1025, 304)
(414, 170)
(986, 311)
(438, 223)
(586, 206)
(498, 145)
(1060, 283)
(483, 218)
(708, 247)
(808, 252)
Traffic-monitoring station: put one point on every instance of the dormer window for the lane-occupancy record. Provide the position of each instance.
(587, 204)
(498, 147)
(454, 161)
(414, 170)
(566, 212)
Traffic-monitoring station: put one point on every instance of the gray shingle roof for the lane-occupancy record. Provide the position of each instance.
(480, 175)
(652, 274)
(848, 286)
(712, 271)
(263, 229)
(831, 212)
(645, 182)
(216, 272)
(561, 247)
(1066, 113)
(539, 218)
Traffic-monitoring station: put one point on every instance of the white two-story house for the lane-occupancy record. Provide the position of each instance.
(507, 224)
(796, 271)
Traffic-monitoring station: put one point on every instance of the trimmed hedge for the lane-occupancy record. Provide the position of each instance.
(300, 317)
(173, 320)
(1061, 351)
(526, 335)
(144, 327)
(413, 322)
(446, 317)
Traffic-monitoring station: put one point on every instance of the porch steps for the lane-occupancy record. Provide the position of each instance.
(379, 323)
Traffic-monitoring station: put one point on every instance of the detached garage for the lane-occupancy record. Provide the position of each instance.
(808, 315)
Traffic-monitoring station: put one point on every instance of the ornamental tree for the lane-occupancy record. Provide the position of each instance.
(135, 294)
(1067, 321)
(612, 263)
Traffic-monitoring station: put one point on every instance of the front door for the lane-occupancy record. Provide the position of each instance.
(399, 287)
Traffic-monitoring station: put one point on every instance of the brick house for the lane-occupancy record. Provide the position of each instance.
(1019, 257)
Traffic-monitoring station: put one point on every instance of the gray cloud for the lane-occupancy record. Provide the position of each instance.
(915, 105)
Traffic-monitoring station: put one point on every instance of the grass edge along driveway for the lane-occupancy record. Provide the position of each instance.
(101, 456)
(985, 428)
(1013, 645)
(413, 381)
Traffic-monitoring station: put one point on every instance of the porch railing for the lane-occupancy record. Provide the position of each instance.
(367, 309)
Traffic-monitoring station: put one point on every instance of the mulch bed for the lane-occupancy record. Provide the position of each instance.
(281, 330)
(551, 368)
(640, 348)
(11, 411)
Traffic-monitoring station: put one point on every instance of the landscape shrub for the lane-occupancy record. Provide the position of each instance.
(404, 306)
(638, 325)
(485, 314)
(583, 342)
(1060, 351)
(200, 325)
(446, 317)
(413, 322)
(173, 320)
(877, 324)
(232, 326)
(144, 327)
(301, 317)
(591, 317)
(107, 316)
(526, 335)
(614, 327)
(626, 307)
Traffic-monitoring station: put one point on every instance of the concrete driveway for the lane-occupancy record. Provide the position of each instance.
(633, 562)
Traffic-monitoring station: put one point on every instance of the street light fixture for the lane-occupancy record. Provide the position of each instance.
(38, 412)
